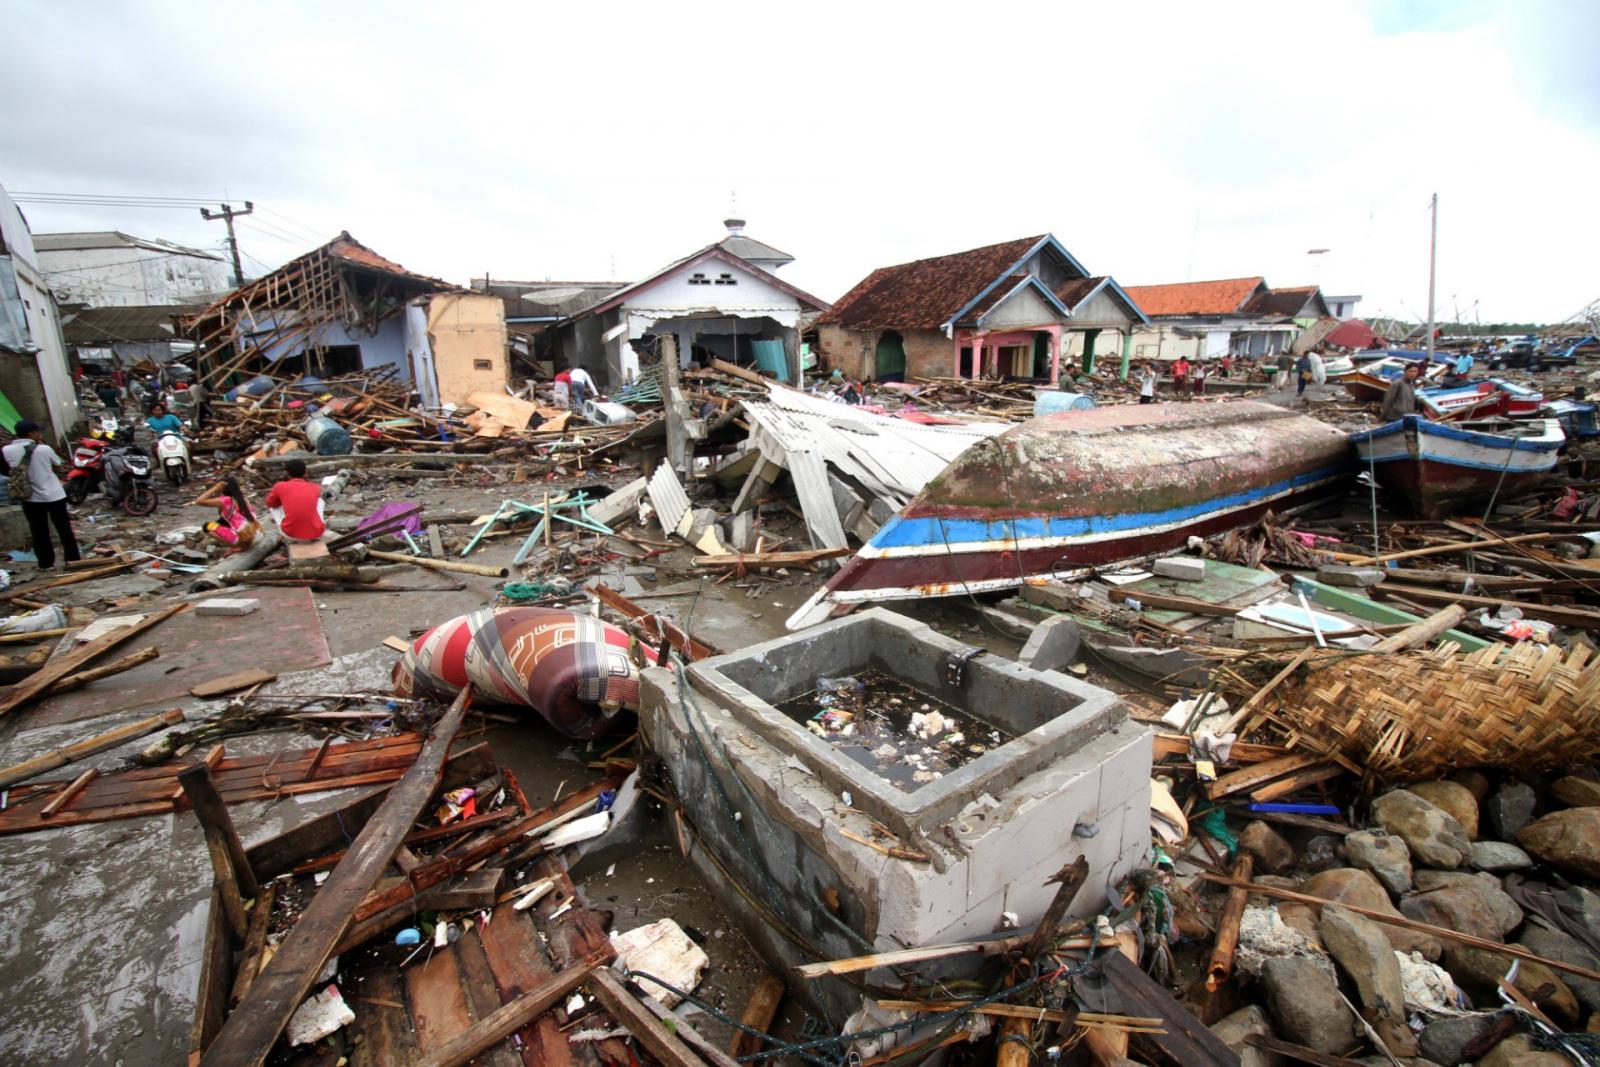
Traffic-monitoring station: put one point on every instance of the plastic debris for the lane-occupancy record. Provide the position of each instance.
(664, 950)
(319, 1016)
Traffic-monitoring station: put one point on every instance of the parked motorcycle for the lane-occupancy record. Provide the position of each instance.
(96, 462)
(172, 454)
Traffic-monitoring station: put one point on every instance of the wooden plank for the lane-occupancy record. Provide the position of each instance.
(229, 682)
(1187, 1042)
(511, 946)
(251, 1031)
(1165, 602)
(758, 1013)
(810, 476)
(1241, 716)
(73, 660)
(306, 550)
(255, 942)
(387, 1037)
(438, 1003)
(94, 674)
(1295, 782)
(510, 1018)
(1260, 773)
(331, 831)
(1560, 614)
(69, 794)
(89, 746)
(653, 623)
(483, 996)
(211, 998)
(760, 560)
(641, 1023)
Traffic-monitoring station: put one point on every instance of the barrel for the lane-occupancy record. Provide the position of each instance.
(327, 436)
(1050, 401)
(260, 385)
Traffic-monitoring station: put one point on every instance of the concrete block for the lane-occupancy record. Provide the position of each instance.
(1125, 768)
(1053, 645)
(1056, 595)
(226, 606)
(1357, 577)
(1183, 568)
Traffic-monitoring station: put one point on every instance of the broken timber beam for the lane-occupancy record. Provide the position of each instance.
(499, 1025)
(654, 623)
(60, 757)
(1561, 614)
(1423, 632)
(248, 1035)
(1164, 602)
(626, 1009)
(760, 560)
(70, 662)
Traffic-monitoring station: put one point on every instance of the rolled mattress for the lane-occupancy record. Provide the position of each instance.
(572, 669)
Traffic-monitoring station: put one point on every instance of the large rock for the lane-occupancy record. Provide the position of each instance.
(1498, 856)
(1485, 887)
(1347, 885)
(1304, 1000)
(1568, 838)
(1443, 1039)
(1272, 853)
(1432, 834)
(1518, 1051)
(1385, 855)
(1321, 854)
(1563, 947)
(1360, 947)
(1510, 808)
(1577, 792)
(1477, 783)
(1233, 1029)
(1478, 970)
(1454, 798)
(1581, 905)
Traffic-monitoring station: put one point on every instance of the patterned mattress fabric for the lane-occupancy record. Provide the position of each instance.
(571, 668)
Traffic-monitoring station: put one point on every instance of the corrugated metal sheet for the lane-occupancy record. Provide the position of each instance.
(816, 500)
(890, 457)
(669, 500)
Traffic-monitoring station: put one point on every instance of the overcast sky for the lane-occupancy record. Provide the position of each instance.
(1159, 142)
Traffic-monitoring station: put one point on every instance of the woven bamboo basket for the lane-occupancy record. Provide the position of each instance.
(1416, 715)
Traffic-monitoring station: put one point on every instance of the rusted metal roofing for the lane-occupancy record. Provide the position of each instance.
(927, 293)
(1226, 296)
(1074, 292)
(108, 325)
(1296, 302)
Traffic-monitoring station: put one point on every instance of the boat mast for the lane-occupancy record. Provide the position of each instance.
(1433, 255)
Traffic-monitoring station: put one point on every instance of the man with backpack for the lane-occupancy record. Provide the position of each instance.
(32, 481)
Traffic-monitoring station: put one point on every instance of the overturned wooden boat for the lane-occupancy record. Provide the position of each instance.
(1442, 467)
(1057, 496)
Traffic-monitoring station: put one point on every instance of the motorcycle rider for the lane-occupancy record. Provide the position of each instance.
(162, 421)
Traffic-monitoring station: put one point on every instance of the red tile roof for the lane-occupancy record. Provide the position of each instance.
(1223, 297)
(924, 294)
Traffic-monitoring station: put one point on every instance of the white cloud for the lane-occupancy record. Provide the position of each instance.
(1158, 141)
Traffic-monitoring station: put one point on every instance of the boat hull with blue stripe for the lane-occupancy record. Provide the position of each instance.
(1057, 496)
(1442, 468)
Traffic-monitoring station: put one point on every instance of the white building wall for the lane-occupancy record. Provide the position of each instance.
(43, 321)
(133, 277)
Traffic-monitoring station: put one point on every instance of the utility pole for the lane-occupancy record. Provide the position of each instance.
(227, 213)
(1433, 254)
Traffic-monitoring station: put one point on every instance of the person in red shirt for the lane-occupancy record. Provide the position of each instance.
(297, 504)
(1180, 378)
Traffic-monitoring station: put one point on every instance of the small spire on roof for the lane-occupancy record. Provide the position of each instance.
(735, 226)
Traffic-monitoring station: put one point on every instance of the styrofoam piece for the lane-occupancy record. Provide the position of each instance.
(226, 606)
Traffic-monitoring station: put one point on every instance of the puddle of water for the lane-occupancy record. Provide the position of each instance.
(906, 736)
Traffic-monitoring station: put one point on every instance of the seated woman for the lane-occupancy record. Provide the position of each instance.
(236, 524)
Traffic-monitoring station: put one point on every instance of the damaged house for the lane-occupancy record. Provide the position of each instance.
(35, 383)
(1238, 316)
(337, 309)
(1004, 310)
(720, 302)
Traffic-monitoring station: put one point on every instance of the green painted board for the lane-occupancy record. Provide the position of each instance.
(1224, 583)
(1364, 607)
(9, 415)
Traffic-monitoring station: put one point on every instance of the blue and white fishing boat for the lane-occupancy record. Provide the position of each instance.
(1441, 467)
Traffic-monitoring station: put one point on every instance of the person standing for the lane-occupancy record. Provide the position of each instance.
(1200, 378)
(1401, 396)
(1147, 385)
(1463, 365)
(46, 502)
(1227, 364)
(1285, 365)
(297, 504)
(110, 396)
(1180, 377)
(1302, 369)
